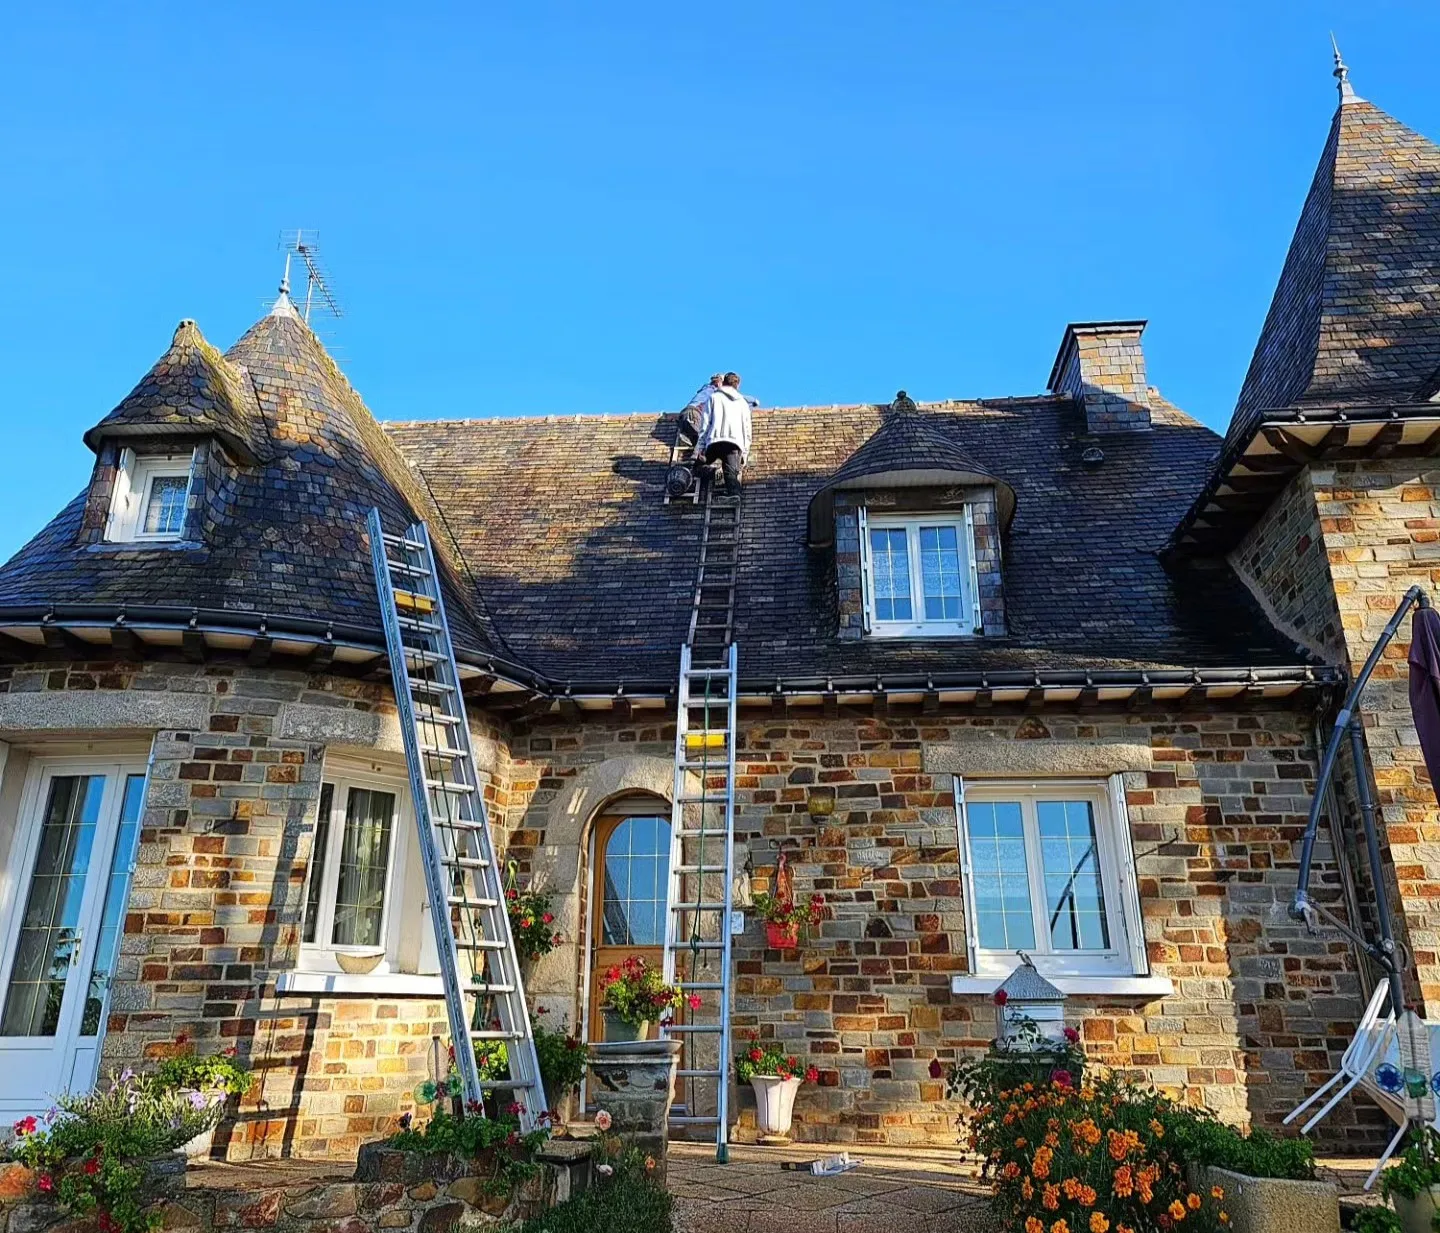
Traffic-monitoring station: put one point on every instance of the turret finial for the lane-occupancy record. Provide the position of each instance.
(1342, 76)
(282, 306)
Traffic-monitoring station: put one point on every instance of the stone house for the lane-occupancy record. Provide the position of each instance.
(1061, 658)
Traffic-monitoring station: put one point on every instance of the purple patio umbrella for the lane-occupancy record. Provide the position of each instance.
(1425, 685)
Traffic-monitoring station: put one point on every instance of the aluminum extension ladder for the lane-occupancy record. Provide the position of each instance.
(702, 825)
(479, 967)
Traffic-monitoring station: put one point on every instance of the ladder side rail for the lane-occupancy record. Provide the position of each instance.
(677, 817)
(524, 1062)
(722, 1084)
(435, 882)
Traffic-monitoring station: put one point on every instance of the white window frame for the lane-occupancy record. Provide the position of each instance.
(134, 483)
(963, 522)
(1127, 956)
(319, 955)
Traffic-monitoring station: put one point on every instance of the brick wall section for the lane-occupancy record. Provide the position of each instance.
(1259, 1013)
(1105, 370)
(848, 580)
(1283, 559)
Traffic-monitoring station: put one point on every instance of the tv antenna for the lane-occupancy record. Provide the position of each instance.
(304, 246)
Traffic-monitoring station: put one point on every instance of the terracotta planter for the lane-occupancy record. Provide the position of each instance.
(1415, 1214)
(780, 936)
(774, 1104)
(618, 1031)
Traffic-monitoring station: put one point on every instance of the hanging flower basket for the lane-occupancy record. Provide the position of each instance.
(782, 935)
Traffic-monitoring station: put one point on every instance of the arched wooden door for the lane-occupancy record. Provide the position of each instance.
(627, 913)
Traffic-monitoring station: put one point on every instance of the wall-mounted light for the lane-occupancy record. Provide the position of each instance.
(821, 803)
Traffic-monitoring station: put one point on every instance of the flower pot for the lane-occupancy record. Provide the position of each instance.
(1416, 1214)
(358, 962)
(780, 936)
(774, 1104)
(199, 1147)
(617, 1030)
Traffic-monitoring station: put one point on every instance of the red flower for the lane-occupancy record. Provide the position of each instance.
(514, 1108)
(25, 1126)
(694, 1001)
(1071, 1035)
(1001, 997)
(756, 1055)
(781, 1072)
(108, 1223)
(936, 1070)
(230, 1052)
(812, 1075)
(548, 918)
(512, 1138)
(1061, 1077)
(556, 940)
(183, 1038)
(474, 1106)
(91, 1166)
(512, 894)
(45, 1182)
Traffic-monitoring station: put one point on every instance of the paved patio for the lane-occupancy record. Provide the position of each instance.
(917, 1190)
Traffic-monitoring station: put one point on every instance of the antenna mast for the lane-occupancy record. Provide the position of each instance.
(305, 247)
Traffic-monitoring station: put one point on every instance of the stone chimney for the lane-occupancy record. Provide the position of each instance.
(1102, 365)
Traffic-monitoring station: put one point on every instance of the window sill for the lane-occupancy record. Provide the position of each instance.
(1078, 986)
(383, 984)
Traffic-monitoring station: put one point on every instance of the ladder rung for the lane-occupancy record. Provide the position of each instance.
(449, 785)
(440, 751)
(698, 1074)
(479, 944)
(697, 945)
(435, 717)
(422, 657)
(697, 907)
(429, 687)
(494, 1034)
(704, 672)
(714, 986)
(694, 1121)
(468, 862)
(402, 567)
(461, 901)
(698, 869)
(401, 541)
(704, 800)
(482, 987)
(696, 1029)
(508, 1085)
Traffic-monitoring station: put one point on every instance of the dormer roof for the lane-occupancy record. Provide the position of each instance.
(190, 391)
(904, 452)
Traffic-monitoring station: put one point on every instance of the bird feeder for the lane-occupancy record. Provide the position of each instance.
(1026, 995)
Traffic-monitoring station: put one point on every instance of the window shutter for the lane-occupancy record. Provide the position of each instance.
(1129, 881)
(975, 622)
(967, 884)
(867, 577)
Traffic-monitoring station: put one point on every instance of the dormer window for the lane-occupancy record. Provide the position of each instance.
(919, 574)
(150, 497)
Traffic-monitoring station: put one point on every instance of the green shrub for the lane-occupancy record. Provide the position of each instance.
(513, 1153)
(1197, 1138)
(89, 1152)
(627, 1202)
(210, 1072)
(1376, 1220)
(563, 1059)
(1416, 1168)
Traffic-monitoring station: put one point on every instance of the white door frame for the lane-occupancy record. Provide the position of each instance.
(24, 851)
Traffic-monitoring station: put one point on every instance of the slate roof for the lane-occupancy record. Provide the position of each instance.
(1356, 314)
(589, 575)
(291, 539)
(905, 451)
(192, 390)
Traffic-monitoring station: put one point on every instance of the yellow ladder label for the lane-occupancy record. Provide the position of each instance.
(414, 601)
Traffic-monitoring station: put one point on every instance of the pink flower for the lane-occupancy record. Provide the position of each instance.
(936, 1070)
(1061, 1077)
(603, 1120)
(1071, 1035)
(548, 918)
(46, 1183)
(694, 1001)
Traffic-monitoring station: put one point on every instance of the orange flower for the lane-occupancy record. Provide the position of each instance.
(1193, 1202)
(1117, 1146)
(1052, 1140)
(1041, 1165)
(1124, 1182)
(1098, 1223)
(1217, 1192)
(1034, 1225)
(1060, 1226)
(1177, 1211)
(1027, 1191)
(1224, 1217)
(1010, 1172)
(1156, 1129)
(1050, 1199)
(1021, 1141)
(1123, 1228)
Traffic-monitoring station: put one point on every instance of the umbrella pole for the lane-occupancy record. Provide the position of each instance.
(1302, 907)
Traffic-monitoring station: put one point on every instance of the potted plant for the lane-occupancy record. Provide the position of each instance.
(215, 1076)
(563, 1060)
(532, 923)
(1413, 1185)
(784, 918)
(635, 996)
(775, 1077)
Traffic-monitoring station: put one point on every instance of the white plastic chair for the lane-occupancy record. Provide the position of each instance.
(1372, 1035)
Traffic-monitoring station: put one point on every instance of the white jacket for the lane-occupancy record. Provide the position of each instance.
(724, 416)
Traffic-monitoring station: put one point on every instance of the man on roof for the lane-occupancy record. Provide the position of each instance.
(724, 436)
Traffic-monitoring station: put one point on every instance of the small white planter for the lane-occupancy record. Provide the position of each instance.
(774, 1105)
(199, 1147)
(1416, 1214)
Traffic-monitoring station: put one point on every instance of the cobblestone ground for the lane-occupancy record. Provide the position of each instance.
(894, 1190)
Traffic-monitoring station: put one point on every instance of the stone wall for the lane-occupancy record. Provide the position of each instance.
(1217, 802)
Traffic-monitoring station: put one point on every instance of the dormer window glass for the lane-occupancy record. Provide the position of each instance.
(919, 575)
(150, 497)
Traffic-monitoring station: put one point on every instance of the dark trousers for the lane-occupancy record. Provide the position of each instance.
(729, 456)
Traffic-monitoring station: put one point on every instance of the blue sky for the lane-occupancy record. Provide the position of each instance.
(548, 209)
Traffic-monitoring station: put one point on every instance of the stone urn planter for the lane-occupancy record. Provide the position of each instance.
(635, 1084)
(1275, 1205)
(617, 1031)
(774, 1107)
(1417, 1213)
